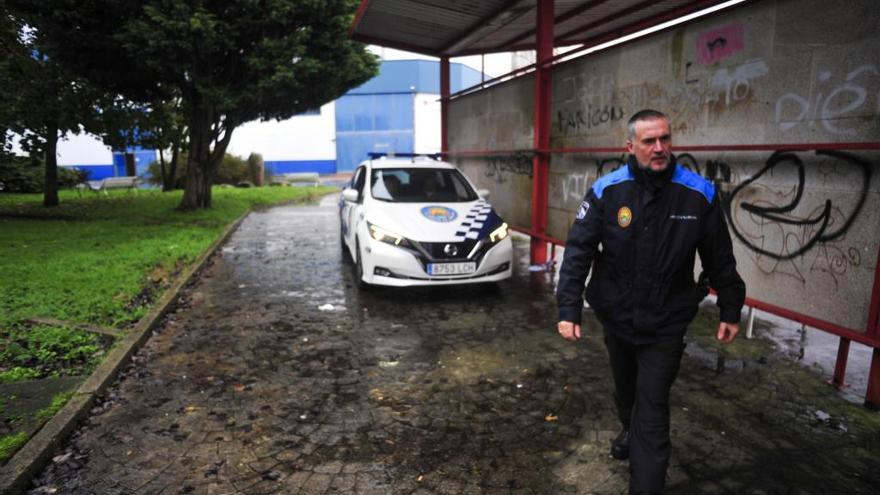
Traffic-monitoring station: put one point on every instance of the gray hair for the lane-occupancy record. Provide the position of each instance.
(646, 114)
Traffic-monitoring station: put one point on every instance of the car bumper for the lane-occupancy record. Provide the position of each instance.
(496, 265)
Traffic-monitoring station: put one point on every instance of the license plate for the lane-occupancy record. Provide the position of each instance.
(452, 268)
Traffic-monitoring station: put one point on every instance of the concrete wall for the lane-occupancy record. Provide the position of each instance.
(770, 72)
(498, 119)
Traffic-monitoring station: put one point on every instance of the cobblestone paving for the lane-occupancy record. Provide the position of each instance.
(255, 385)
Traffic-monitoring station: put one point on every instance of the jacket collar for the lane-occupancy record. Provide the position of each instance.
(647, 179)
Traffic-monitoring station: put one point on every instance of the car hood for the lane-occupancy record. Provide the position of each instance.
(436, 222)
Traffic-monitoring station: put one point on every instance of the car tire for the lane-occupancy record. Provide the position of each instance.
(346, 254)
(359, 267)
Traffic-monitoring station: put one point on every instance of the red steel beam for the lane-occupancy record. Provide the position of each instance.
(463, 38)
(558, 20)
(872, 396)
(874, 314)
(605, 20)
(590, 43)
(358, 16)
(637, 26)
(444, 104)
(713, 147)
(840, 366)
(847, 333)
(543, 237)
(394, 44)
(542, 125)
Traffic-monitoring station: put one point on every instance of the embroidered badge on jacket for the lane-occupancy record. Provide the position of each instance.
(624, 217)
(582, 211)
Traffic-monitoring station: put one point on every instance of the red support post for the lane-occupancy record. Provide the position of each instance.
(872, 396)
(840, 365)
(542, 122)
(444, 104)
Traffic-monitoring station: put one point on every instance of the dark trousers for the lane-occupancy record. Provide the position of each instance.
(643, 375)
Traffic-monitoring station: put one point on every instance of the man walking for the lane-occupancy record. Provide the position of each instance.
(640, 228)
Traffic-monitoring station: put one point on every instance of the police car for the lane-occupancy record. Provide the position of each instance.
(419, 221)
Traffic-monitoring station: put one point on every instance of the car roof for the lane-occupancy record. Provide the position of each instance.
(417, 162)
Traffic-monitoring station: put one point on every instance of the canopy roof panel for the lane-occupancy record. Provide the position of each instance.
(464, 27)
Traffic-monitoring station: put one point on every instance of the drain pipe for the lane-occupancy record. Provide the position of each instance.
(750, 326)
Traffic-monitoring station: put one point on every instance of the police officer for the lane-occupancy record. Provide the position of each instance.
(639, 228)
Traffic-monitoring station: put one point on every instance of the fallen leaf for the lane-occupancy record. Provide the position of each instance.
(238, 387)
(550, 418)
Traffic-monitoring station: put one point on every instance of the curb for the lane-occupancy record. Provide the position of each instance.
(32, 457)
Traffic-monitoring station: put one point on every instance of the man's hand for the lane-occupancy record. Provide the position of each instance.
(726, 332)
(568, 330)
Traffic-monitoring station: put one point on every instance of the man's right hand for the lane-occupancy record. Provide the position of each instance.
(568, 330)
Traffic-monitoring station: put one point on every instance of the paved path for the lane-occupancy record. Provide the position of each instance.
(252, 387)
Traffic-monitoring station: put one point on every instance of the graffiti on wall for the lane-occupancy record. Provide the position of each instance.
(575, 184)
(836, 98)
(573, 120)
(500, 167)
(717, 44)
(786, 231)
(596, 108)
(781, 239)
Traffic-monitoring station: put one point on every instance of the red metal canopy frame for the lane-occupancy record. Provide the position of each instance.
(545, 41)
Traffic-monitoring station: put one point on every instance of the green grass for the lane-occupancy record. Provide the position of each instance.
(102, 260)
(11, 443)
(52, 409)
(16, 374)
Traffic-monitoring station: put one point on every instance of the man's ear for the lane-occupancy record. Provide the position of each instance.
(629, 146)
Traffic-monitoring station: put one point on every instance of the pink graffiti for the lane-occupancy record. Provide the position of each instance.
(718, 44)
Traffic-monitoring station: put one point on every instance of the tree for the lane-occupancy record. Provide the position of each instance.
(230, 62)
(44, 100)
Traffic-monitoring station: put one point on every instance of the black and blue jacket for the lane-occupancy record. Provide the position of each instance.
(640, 232)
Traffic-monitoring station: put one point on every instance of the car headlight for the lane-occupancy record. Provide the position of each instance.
(385, 235)
(499, 233)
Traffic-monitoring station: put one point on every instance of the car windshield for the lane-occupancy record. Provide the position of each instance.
(420, 185)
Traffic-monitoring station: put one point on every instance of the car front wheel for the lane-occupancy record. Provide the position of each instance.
(346, 254)
(359, 267)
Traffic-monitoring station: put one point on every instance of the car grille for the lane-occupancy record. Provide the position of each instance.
(436, 249)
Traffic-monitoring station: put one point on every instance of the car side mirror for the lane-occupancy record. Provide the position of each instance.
(483, 193)
(350, 195)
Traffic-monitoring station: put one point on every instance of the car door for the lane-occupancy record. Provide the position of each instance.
(351, 213)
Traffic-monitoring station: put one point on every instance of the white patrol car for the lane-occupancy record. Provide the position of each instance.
(418, 221)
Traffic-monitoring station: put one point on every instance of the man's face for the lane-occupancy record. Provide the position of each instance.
(652, 144)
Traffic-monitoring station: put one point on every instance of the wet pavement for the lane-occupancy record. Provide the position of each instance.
(277, 375)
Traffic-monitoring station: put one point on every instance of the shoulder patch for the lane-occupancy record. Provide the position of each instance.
(622, 174)
(694, 182)
(582, 211)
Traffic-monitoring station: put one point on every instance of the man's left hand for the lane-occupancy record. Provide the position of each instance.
(727, 332)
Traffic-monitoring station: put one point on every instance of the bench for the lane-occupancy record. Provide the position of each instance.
(297, 177)
(126, 182)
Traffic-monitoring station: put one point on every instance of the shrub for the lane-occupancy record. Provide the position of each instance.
(232, 170)
(20, 174)
(154, 173)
